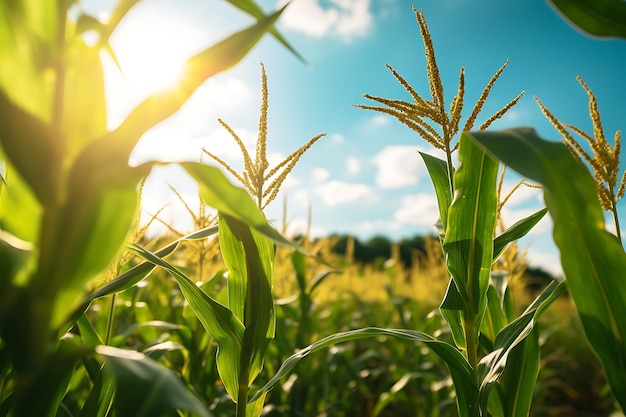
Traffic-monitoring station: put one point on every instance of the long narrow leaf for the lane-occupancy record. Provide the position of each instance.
(468, 243)
(218, 320)
(252, 8)
(517, 231)
(438, 171)
(492, 365)
(250, 260)
(592, 258)
(218, 192)
(459, 368)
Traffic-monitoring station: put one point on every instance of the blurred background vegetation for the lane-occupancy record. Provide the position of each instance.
(373, 283)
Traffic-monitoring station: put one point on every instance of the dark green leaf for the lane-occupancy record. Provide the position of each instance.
(492, 365)
(145, 388)
(592, 258)
(517, 231)
(606, 18)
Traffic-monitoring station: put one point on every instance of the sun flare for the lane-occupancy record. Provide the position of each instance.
(151, 52)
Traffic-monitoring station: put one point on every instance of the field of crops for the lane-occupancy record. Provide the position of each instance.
(99, 319)
(383, 376)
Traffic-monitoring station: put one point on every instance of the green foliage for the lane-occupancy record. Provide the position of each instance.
(70, 197)
(605, 18)
(593, 259)
(154, 341)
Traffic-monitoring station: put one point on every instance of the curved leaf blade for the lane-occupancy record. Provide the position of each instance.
(605, 18)
(462, 374)
(592, 258)
(217, 319)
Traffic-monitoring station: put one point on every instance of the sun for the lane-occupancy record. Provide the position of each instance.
(151, 51)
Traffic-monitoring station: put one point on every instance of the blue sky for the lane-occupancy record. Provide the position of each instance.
(365, 177)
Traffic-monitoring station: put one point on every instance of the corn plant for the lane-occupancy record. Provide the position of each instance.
(593, 259)
(494, 357)
(69, 199)
(244, 325)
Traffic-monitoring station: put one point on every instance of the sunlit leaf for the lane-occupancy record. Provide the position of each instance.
(217, 319)
(84, 115)
(468, 242)
(438, 171)
(218, 192)
(492, 365)
(252, 8)
(249, 257)
(516, 231)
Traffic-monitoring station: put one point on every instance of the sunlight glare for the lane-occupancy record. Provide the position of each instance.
(151, 52)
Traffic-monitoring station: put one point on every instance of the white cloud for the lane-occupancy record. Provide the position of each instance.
(344, 18)
(379, 120)
(172, 143)
(320, 174)
(419, 209)
(334, 193)
(398, 166)
(337, 138)
(353, 165)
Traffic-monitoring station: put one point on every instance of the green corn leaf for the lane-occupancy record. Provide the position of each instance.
(20, 211)
(133, 276)
(605, 18)
(100, 398)
(438, 171)
(253, 9)
(592, 258)
(468, 243)
(51, 382)
(516, 231)
(451, 310)
(217, 319)
(255, 408)
(20, 133)
(145, 388)
(28, 37)
(491, 366)
(460, 369)
(84, 115)
(249, 257)
(218, 192)
(520, 376)
(85, 234)
(495, 318)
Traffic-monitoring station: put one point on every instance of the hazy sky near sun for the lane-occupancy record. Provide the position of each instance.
(365, 177)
